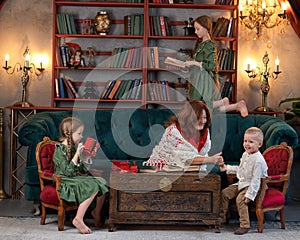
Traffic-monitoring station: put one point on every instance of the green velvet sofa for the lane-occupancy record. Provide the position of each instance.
(131, 134)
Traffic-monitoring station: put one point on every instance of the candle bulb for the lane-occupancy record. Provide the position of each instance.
(241, 10)
(6, 60)
(277, 64)
(41, 64)
(27, 58)
(248, 67)
(263, 6)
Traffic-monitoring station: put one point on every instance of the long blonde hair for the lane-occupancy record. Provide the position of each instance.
(67, 127)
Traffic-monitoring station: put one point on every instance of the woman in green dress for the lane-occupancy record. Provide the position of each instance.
(77, 184)
(204, 85)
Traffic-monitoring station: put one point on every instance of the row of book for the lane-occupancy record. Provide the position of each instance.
(158, 90)
(224, 2)
(160, 26)
(223, 27)
(65, 23)
(226, 59)
(64, 88)
(165, 1)
(134, 25)
(122, 89)
(226, 89)
(130, 89)
(133, 1)
(63, 56)
(133, 57)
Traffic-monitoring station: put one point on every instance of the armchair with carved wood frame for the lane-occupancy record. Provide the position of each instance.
(272, 193)
(50, 183)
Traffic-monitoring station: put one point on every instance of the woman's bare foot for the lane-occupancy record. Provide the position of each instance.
(97, 219)
(82, 228)
(242, 108)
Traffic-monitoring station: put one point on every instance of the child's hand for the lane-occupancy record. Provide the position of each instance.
(223, 167)
(247, 200)
(79, 149)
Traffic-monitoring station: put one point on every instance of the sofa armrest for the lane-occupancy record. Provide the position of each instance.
(277, 131)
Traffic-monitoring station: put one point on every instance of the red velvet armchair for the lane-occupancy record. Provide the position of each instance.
(50, 183)
(273, 189)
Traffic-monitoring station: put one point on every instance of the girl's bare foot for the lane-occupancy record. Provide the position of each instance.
(82, 228)
(242, 108)
(225, 101)
(97, 219)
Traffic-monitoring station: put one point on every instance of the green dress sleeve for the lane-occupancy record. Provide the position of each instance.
(206, 54)
(63, 166)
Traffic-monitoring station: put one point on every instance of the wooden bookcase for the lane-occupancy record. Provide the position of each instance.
(104, 45)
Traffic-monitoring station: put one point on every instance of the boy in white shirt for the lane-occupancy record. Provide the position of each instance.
(249, 173)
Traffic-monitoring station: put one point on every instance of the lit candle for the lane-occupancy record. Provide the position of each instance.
(263, 6)
(41, 64)
(284, 6)
(277, 64)
(248, 67)
(27, 59)
(241, 9)
(6, 60)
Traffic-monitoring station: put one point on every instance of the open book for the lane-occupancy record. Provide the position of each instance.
(174, 62)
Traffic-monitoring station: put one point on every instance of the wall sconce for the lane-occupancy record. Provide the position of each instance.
(261, 13)
(26, 69)
(265, 73)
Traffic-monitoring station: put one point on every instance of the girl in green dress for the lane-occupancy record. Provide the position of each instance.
(77, 184)
(203, 83)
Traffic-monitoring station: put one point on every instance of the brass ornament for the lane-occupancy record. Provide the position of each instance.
(102, 23)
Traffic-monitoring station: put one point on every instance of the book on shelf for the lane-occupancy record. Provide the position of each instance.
(62, 88)
(226, 89)
(110, 87)
(120, 90)
(65, 23)
(124, 94)
(174, 62)
(134, 25)
(114, 89)
(148, 169)
(105, 89)
(220, 27)
(171, 168)
(56, 88)
(70, 88)
(136, 83)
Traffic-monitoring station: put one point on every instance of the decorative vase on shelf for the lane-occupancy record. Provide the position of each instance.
(102, 23)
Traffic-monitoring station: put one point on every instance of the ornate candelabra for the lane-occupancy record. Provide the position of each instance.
(26, 69)
(265, 74)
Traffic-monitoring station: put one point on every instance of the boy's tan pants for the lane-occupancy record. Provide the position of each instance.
(229, 193)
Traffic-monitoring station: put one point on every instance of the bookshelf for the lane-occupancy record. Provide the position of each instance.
(142, 35)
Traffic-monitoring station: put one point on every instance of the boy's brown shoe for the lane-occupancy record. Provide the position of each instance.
(241, 231)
